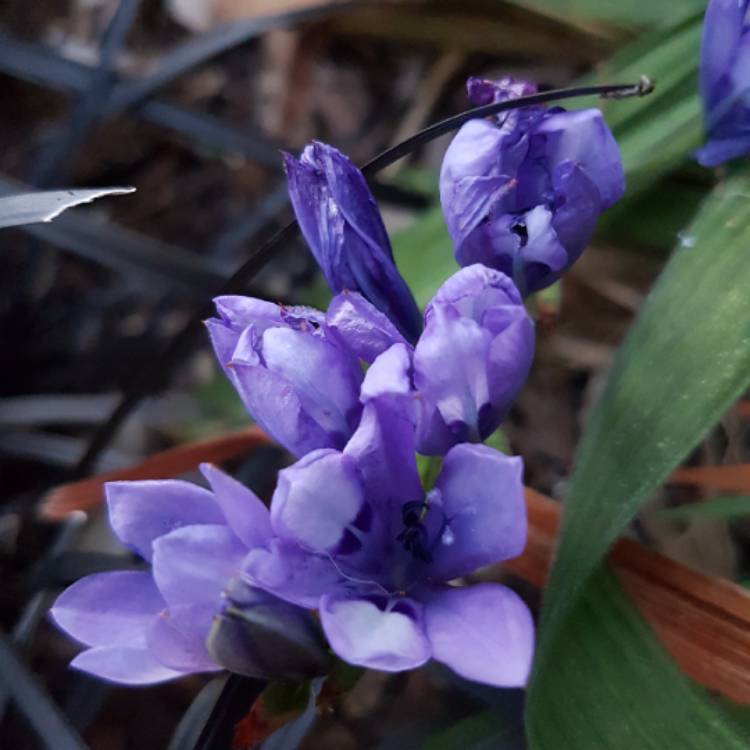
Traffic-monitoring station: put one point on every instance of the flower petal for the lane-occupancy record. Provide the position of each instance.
(482, 632)
(258, 634)
(581, 136)
(450, 370)
(128, 666)
(316, 499)
(140, 512)
(192, 565)
(718, 150)
(325, 378)
(383, 448)
(321, 224)
(178, 637)
(378, 637)
(474, 354)
(476, 176)
(109, 609)
(243, 510)
(544, 255)
(722, 31)
(290, 573)
(276, 407)
(239, 312)
(365, 330)
(481, 491)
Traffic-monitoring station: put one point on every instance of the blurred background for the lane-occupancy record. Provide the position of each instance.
(190, 101)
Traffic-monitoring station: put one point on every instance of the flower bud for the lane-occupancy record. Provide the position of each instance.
(258, 635)
(472, 359)
(341, 223)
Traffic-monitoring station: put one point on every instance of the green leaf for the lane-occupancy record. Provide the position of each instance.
(424, 254)
(632, 13)
(484, 731)
(720, 508)
(659, 131)
(686, 359)
(429, 469)
(607, 683)
(654, 217)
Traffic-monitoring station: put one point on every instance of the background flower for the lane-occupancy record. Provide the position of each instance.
(725, 81)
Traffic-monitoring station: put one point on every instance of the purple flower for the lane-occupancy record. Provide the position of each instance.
(725, 81)
(341, 223)
(299, 371)
(293, 374)
(522, 194)
(358, 539)
(468, 365)
(143, 627)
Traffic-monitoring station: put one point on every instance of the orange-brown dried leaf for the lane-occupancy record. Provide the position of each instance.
(88, 493)
(727, 478)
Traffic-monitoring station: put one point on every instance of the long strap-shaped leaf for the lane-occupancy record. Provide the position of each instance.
(600, 678)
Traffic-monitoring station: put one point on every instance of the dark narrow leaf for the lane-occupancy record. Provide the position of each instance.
(43, 716)
(46, 205)
(290, 736)
(42, 66)
(111, 245)
(194, 719)
(200, 49)
(54, 449)
(55, 408)
(54, 164)
(208, 132)
(63, 569)
(234, 701)
(409, 145)
(253, 223)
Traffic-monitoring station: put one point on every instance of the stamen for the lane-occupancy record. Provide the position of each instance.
(413, 536)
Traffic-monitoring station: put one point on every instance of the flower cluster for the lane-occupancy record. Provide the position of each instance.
(725, 81)
(357, 393)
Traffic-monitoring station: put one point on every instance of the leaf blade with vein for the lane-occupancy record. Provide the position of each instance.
(686, 359)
